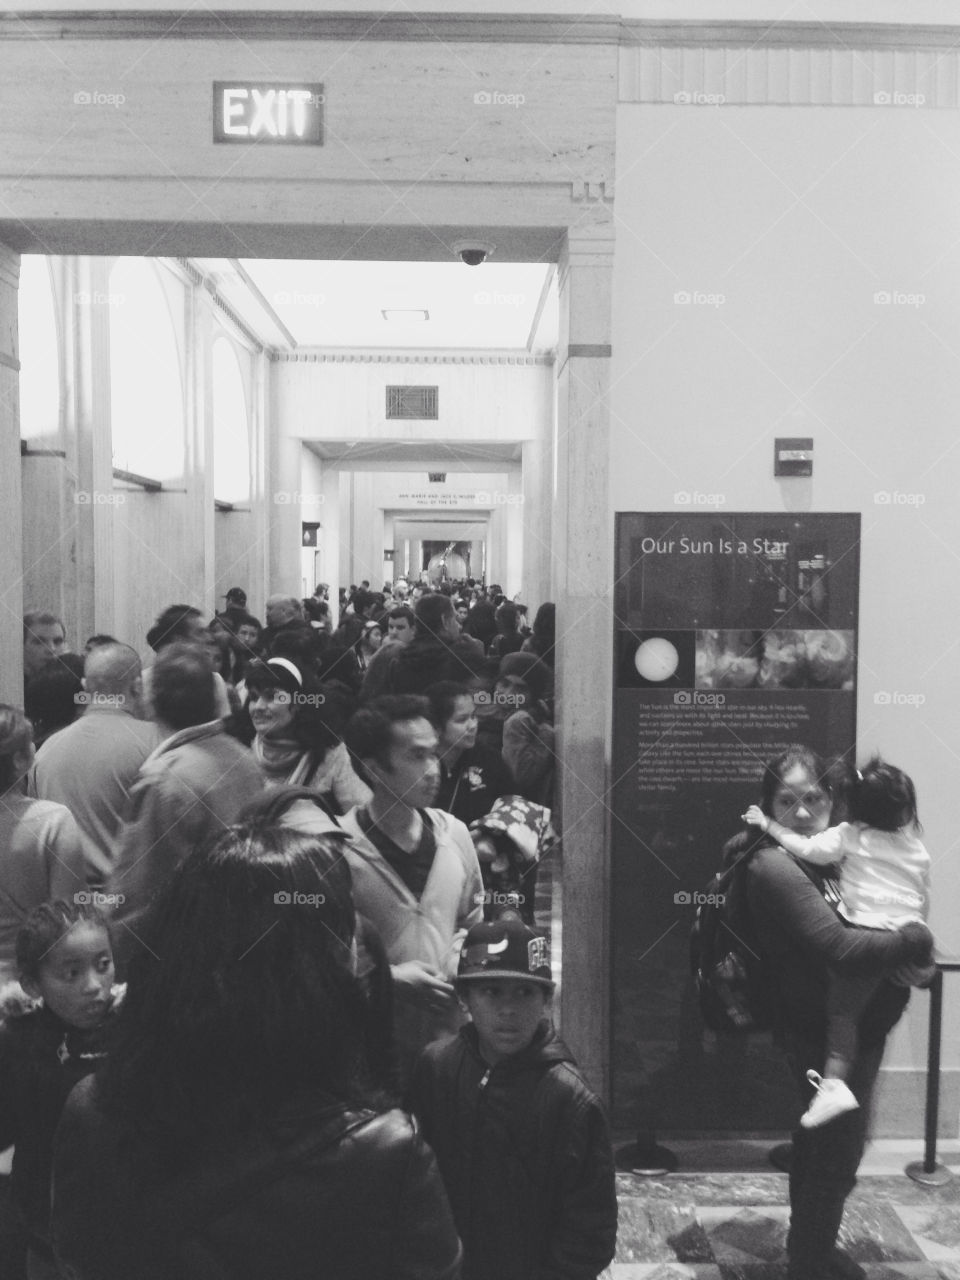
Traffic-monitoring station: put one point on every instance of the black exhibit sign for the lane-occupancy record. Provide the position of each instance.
(736, 635)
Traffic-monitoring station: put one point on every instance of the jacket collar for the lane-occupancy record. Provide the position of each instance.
(196, 733)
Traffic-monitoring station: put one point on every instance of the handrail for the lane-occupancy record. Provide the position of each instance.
(929, 1171)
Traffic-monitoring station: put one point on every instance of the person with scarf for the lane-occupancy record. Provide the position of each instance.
(296, 740)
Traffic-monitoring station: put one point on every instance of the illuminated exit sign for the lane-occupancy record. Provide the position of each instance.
(248, 112)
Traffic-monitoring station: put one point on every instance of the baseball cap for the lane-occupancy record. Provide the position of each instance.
(237, 595)
(505, 948)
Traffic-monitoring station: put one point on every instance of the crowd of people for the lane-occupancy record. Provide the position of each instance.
(275, 988)
(278, 846)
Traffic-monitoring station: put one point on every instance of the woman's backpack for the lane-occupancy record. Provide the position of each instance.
(732, 987)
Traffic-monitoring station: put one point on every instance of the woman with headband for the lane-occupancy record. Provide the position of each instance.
(297, 734)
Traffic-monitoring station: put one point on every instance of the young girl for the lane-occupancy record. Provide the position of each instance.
(54, 1031)
(884, 880)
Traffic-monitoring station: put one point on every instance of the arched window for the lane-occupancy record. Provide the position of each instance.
(231, 440)
(146, 386)
(39, 351)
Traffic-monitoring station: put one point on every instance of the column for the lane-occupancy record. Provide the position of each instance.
(330, 535)
(86, 533)
(581, 578)
(11, 505)
(282, 506)
(514, 519)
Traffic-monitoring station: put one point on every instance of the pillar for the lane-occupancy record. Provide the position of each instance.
(581, 587)
(11, 505)
(330, 535)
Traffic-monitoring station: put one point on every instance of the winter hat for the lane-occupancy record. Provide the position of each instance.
(505, 948)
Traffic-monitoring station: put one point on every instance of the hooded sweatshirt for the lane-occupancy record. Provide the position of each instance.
(524, 1151)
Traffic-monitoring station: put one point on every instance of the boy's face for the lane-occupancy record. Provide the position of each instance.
(76, 976)
(506, 1013)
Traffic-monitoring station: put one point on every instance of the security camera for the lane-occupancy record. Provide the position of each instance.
(473, 252)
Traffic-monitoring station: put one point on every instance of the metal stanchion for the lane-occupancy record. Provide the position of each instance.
(929, 1171)
(646, 1157)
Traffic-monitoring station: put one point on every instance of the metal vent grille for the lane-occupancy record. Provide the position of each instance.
(437, 477)
(412, 402)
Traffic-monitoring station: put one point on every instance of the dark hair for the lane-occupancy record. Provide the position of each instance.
(319, 713)
(431, 612)
(883, 797)
(299, 645)
(51, 697)
(244, 995)
(775, 770)
(98, 641)
(45, 926)
(481, 622)
(16, 734)
(41, 618)
(172, 625)
(369, 731)
(442, 697)
(402, 611)
(182, 687)
(508, 618)
(544, 636)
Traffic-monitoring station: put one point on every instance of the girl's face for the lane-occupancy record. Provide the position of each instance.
(271, 711)
(372, 639)
(460, 731)
(801, 803)
(76, 976)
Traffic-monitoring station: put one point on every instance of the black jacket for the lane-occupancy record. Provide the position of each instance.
(41, 1059)
(801, 938)
(424, 661)
(474, 785)
(322, 1193)
(525, 1154)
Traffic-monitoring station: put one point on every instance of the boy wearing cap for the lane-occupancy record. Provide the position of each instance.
(521, 1139)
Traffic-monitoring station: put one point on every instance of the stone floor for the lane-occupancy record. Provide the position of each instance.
(730, 1224)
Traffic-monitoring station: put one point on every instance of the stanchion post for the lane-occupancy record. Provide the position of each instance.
(928, 1171)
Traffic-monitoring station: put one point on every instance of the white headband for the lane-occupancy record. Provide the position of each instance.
(284, 662)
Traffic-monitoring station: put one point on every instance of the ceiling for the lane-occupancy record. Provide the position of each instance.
(292, 304)
(435, 455)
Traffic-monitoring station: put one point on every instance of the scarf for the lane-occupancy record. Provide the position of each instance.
(277, 757)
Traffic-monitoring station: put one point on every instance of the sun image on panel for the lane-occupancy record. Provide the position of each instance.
(656, 660)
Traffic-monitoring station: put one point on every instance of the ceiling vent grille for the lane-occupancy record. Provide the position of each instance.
(412, 402)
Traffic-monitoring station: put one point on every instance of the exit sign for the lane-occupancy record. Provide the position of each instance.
(284, 113)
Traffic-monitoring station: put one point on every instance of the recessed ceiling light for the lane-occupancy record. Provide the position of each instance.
(417, 315)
